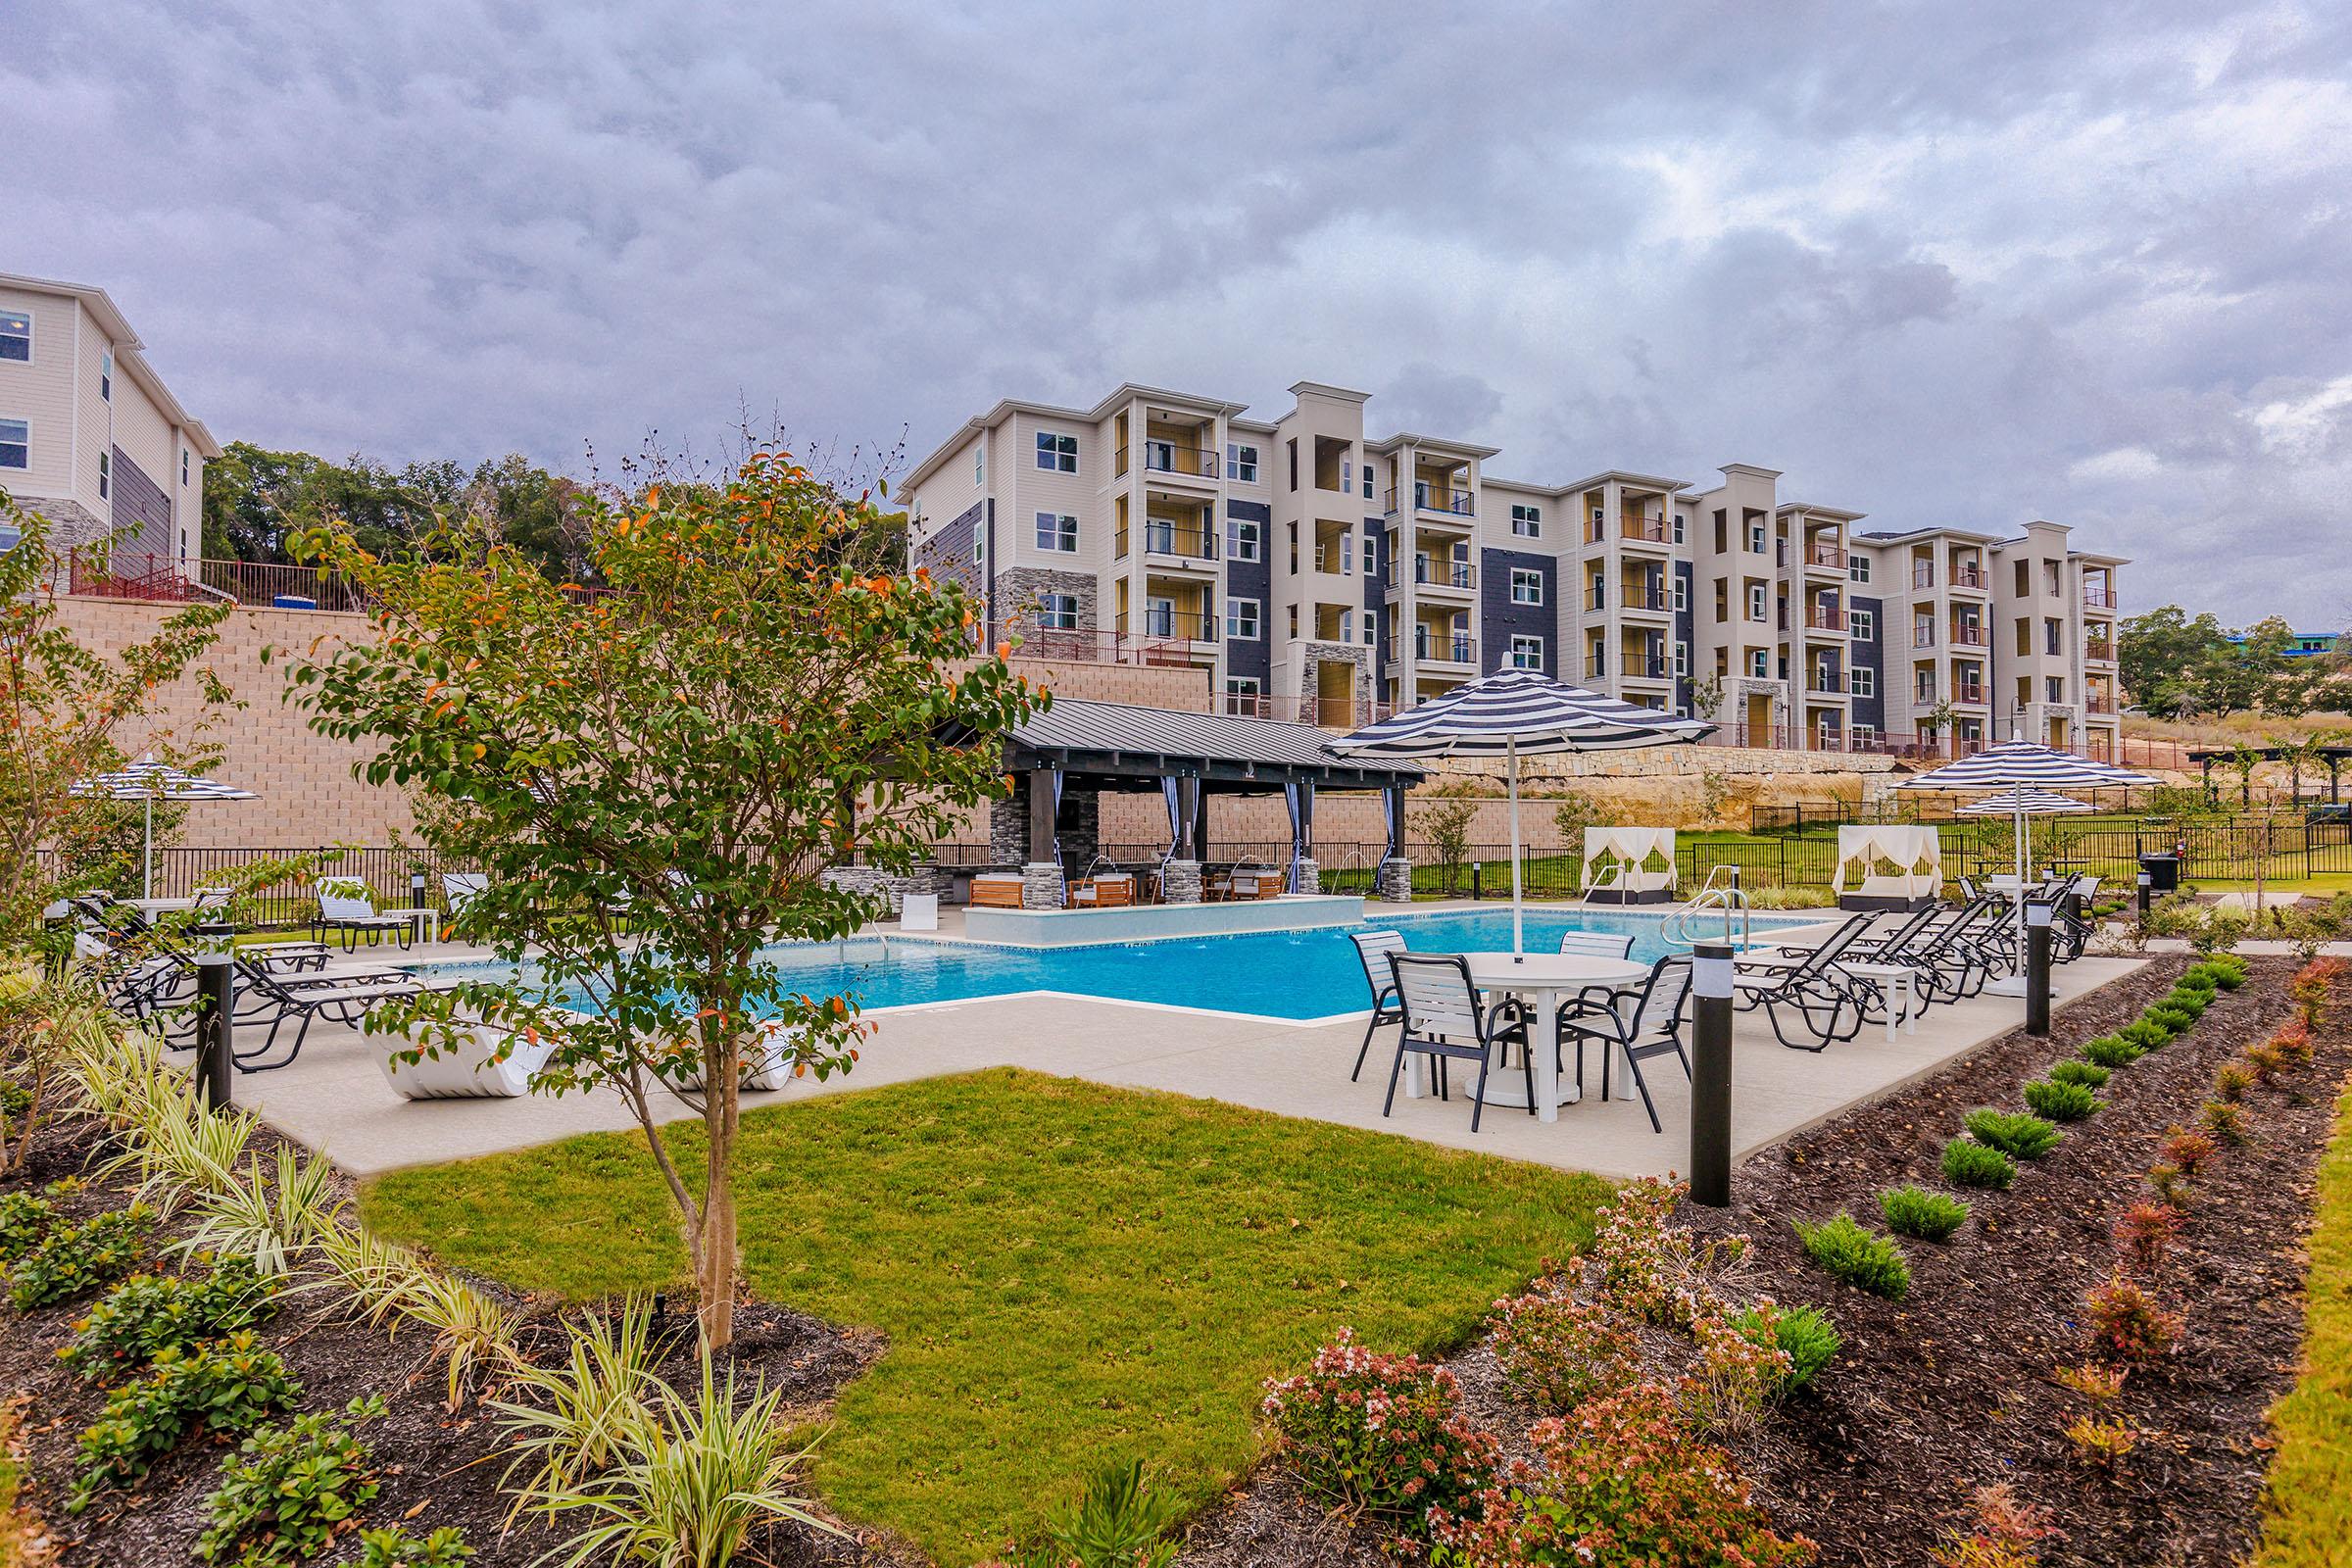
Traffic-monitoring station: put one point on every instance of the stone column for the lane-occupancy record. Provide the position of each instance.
(1392, 883)
(1310, 875)
(1041, 886)
(1180, 882)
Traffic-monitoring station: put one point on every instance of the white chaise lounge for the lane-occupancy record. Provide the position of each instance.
(472, 1071)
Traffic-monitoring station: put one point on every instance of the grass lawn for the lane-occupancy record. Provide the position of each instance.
(2310, 1494)
(1067, 1272)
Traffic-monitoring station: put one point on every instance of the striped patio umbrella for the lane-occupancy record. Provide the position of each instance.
(151, 781)
(2020, 767)
(1520, 712)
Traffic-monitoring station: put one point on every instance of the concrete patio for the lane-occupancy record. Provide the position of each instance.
(335, 1097)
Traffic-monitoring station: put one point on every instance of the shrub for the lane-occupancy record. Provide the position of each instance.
(2095, 1383)
(1913, 1211)
(2090, 1074)
(1623, 1480)
(2004, 1534)
(25, 1219)
(2199, 978)
(1380, 1433)
(2111, 1050)
(2228, 969)
(2054, 1100)
(2170, 1185)
(2127, 1324)
(2232, 1081)
(1657, 1272)
(1805, 1336)
(75, 1259)
(228, 1387)
(2187, 1149)
(2294, 1043)
(2265, 1060)
(1737, 1373)
(2014, 1133)
(397, 1548)
(580, 1413)
(1119, 1521)
(2142, 1232)
(2225, 1121)
(2101, 1443)
(1556, 1353)
(287, 1489)
(1968, 1163)
(2172, 1019)
(2147, 1033)
(1854, 1256)
(148, 1312)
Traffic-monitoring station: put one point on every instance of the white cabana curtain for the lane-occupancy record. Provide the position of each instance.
(1919, 850)
(1168, 793)
(1627, 851)
(1291, 794)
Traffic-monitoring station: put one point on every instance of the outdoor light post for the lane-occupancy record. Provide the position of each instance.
(2037, 966)
(1711, 1075)
(2146, 881)
(215, 1001)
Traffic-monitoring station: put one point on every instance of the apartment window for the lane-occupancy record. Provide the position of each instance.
(1681, 525)
(1681, 660)
(1243, 540)
(1241, 620)
(184, 465)
(1863, 681)
(1293, 622)
(1294, 549)
(16, 444)
(980, 464)
(1723, 538)
(1057, 531)
(2055, 687)
(1723, 600)
(1526, 586)
(1682, 592)
(1857, 569)
(1367, 481)
(1056, 454)
(978, 541)
(1527, 652)
(1292, 445)
(2051, 634)
(106, 474)
(16, 336)
(2024, 579)
(1755, 600)
(2049, 578)
(1924, 687)
(1242, 460)
(106, 375)
(1241, 691)
(1864, 623)
(1057, 612)
(1599, 596)
(1863, 734)
(1755, 538)
(1759, 664)
(1526, 522)
(1346, 474)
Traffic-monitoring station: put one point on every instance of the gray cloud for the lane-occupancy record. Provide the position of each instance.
(1942, 264)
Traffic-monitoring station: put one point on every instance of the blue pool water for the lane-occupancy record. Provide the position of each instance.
(1275, 974)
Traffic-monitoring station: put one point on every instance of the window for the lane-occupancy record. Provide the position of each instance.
(1294, 609)
(1923, 689)
(980, 464)
(1241, 620)
(1863, 734)
(1292, 445)
(1527, 652)
(1755, 600)
(1242, 460)
(16, 336)
(1526, 522)
(2055, 687)
(1367, 481)
(1862, 681)
(1244, 541)
(16, 444)
(1056, 454)
(979, 541)
(1759, 664)
(1755, 538)
(1681, 525)
(1241, 695)
(1682, 594)
(2025, 582)
(1864, 624)
(1723, 542)
(106, 375)
(1057, 612)
(2049, 578)
(1526, 586)
(1681, 660)
(1857, 569)
(184, 465)
(1057, 531)
(2052, 635)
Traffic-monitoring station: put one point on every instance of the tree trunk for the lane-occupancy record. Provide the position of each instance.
(722, 1093)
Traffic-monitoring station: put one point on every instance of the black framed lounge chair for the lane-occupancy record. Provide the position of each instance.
(1813, 987)
(1641, 1025)
(1372, 950)
(1444, 1020)
(346, 905)
(343, 999)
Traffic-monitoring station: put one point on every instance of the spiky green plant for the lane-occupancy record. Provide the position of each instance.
(572, 1419)
(268, 1221)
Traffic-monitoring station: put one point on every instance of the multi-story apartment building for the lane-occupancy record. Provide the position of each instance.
(1317, 572)
(89, 435)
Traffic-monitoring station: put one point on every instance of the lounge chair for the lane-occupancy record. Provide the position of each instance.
(769, 1070)
(1444, 1021)
(475, 1069)
(343, 999)
(460, 888)
(1239, 880)
(346, 904)
(1372, 950)
(1640, 1025)
(1810, 986)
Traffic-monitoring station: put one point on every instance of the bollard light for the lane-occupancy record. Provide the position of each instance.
(2037, 966)
(1711, 1075)
(216, 1004)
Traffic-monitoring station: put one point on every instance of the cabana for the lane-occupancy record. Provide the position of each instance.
(1865, 850)
(1629, 864)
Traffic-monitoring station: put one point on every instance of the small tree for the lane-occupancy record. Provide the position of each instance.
(757, 699)
(1574, 812)
(1445, 815)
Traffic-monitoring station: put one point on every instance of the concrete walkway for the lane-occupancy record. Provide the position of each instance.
(335, 1097)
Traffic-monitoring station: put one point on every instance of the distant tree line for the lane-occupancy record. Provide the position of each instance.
(2176, 666)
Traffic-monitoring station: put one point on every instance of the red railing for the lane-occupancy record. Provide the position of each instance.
(1965, 577)
(1826, 620)
(2097, 596)
(1825, 556)
(1966, 636)
(1650, 528)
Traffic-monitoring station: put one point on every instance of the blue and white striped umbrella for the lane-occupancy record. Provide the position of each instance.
(2026, 800)
(2026, 763)
(151, 781)
(1516, 710)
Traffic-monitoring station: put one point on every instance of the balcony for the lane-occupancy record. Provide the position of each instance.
(1444, 573)
(1826, 683)
(1644, 597)
(1922, 636)
(2099, 653)
(1965, 575)
(1181, 541)
(1824, 618)
(1440, 499)
(1636, 667)
(1923, 574)
(2098, 596)
(1830, 556)
(1650, 529)
(1190, 625)
(2096, 704)
(1968, 696)
(1169, 457)
(1965, 635)
(1428, 650)
(1596, 667)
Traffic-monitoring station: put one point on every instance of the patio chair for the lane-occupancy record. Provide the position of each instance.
(1372, 950)
(460, 888)
(1640, 1025)
(346, 904)
(1239, 880)
(997, 890)
(475, 1070)
(1444, 1021)
(1812, 984)
(343, 999)
(1955, 958)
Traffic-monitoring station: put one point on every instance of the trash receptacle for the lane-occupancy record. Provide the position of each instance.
(2164, 872)
(293, 602)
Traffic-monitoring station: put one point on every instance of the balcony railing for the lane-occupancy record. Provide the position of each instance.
(1652, 529)
(1826, 683)
(1596, 666)
(1923, 574)
(1444, 573)
(1441, 499)
(2099, 653)
(1826, 555)
(1185, 540)
(1189, 625)
(1637, 667)
(1971, 696)
(1330, 712)
(1966, 636)
(1967, 576)
(1824, 618)
(1332, 560)
(1091, 647)
(1168, 457)
(2097, 596)
(1441, 650)
(2095, 704)
(1922, 636)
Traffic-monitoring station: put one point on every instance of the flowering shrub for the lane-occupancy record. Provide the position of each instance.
(1737, 1371)
(2101, 1442)
(1657, 1272)
(1556, 1353)
(1382, 1433)
(2142, 1234)
(2004, 1536)
(2126, 1322)
(2187, 1149)
(1623, 1481)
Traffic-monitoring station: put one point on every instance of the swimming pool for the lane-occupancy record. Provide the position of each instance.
(1271, 974)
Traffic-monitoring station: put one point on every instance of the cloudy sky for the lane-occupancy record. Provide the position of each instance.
(1966, 264)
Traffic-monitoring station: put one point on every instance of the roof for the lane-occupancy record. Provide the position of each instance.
(1645, 481)
(127, 350)
(1094, 737)
(1006, 407)
(1898, 537)
(1814, 509)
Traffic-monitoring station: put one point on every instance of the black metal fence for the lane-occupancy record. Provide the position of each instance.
(292, 901)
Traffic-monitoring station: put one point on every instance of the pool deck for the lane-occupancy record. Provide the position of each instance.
(334, 1098)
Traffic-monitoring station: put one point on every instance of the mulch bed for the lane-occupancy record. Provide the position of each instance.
(435, 1468)
(1951, 1388)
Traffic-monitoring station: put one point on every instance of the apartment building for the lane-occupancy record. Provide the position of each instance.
(89, 435)
(1316, 571)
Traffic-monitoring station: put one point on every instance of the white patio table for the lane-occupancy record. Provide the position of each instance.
(1543, 981)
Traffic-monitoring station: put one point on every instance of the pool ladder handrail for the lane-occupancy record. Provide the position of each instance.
(1721, 891)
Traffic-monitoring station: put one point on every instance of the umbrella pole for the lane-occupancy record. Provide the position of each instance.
(2020, 884)
(1510, 751)
(147, 877)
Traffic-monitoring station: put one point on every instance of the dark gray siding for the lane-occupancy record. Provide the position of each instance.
(1499, 621)
(142, 515)
(1871, 710)
(1685, 631)
(1251, 579)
